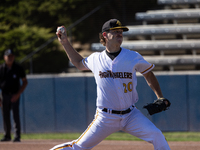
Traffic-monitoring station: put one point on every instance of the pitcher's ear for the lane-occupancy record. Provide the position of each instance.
(104, 33)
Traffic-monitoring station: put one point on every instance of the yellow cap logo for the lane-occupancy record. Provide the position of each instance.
(119, 23)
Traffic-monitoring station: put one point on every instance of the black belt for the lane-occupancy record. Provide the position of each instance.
(118, 112)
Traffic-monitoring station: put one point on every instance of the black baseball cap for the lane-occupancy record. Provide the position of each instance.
(8, 52)
(113, 24)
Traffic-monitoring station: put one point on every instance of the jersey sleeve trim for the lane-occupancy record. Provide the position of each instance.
(148, 69)
(83, 62)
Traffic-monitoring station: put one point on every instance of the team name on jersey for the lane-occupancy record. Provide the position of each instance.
(110, 74)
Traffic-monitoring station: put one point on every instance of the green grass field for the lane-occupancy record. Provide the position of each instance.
(170, 136)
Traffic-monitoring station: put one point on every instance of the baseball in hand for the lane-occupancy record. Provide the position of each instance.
(61, 29)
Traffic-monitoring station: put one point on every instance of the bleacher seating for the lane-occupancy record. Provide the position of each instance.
(162, 29)
(172, 2)
(179, 4)
(174, 15)
(154, 45)
(169, 45)
(160, 45)
(173, 63)
(172, 31)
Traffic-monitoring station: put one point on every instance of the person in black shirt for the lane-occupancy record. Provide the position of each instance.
(10, 75)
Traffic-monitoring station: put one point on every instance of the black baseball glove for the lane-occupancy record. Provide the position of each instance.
(158, 105)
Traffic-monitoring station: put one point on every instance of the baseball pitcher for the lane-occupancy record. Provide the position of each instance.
(115, 70)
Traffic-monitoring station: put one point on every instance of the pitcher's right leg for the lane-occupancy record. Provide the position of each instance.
(98, 130)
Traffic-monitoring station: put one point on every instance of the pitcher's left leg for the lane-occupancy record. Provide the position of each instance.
(140, 126)
(98, 130)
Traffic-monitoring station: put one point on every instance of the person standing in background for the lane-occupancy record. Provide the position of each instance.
(10, 75)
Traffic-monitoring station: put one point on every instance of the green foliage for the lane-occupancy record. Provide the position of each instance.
(70, 136)
(23, 40)
(182, 136)
(170, 136)
(27, 24)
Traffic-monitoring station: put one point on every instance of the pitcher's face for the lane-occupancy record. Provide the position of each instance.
(115, 36)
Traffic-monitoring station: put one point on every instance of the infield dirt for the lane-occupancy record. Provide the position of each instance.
(104, 145)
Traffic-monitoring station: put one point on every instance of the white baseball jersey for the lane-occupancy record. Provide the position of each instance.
(116, 89)
(116, 79)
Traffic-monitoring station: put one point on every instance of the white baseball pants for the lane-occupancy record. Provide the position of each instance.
(104, 124)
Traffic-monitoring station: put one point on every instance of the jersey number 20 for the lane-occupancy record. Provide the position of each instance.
(128, 87)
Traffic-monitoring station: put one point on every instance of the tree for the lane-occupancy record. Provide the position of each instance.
(26, 25)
